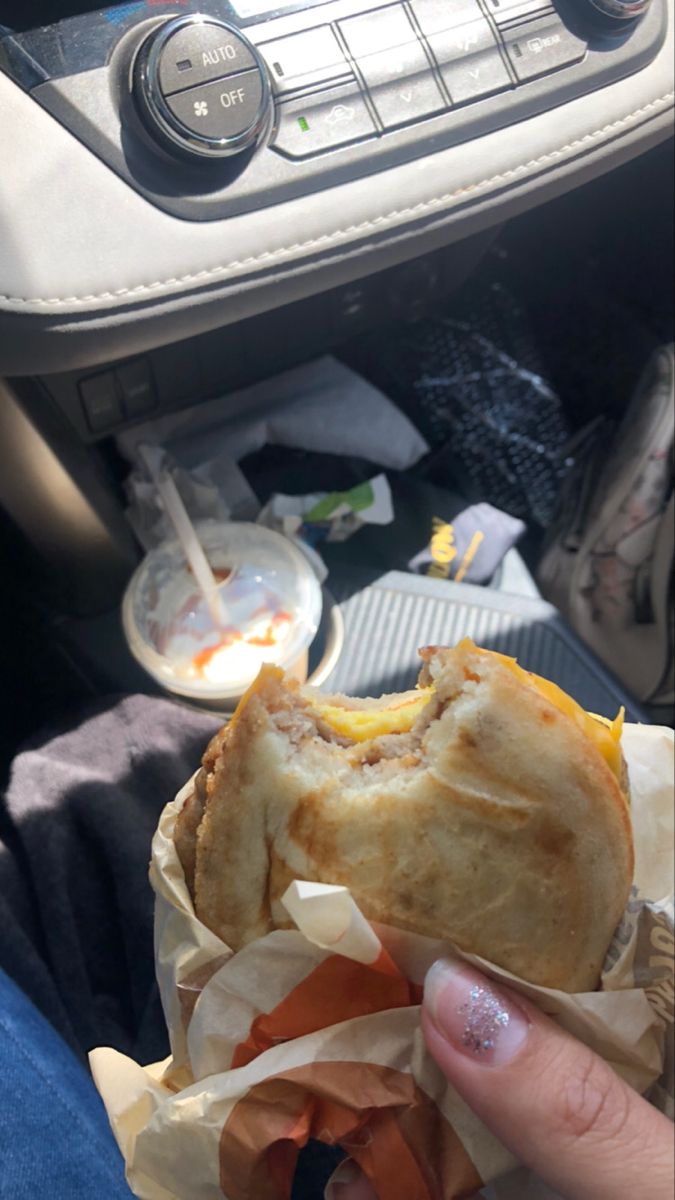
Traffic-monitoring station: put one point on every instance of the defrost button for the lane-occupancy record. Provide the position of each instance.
(542, 46)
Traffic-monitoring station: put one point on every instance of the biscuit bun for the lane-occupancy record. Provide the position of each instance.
(486, 808)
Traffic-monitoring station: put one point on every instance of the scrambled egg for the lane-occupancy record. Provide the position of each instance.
(399, 717)
(361, 724)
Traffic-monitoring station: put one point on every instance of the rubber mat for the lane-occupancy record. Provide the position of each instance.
(386, 621)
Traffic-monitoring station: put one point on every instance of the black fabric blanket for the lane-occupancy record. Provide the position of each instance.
(76, 908)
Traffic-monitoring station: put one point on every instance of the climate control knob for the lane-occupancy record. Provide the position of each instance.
(202, 88)
(616, 12)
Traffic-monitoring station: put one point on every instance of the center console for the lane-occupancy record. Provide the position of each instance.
(211, 108)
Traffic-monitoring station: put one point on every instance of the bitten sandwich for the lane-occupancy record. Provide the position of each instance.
(485, 807)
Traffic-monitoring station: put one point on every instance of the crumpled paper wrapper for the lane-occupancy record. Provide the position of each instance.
(328, 516)
(315, 1033)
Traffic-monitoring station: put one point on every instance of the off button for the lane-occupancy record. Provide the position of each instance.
(220, 110)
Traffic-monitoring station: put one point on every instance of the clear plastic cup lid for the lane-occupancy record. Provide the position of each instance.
(271, 603)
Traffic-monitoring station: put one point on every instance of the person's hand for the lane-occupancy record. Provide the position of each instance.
(553, 1102)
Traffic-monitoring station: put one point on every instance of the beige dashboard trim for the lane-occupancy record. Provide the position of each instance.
(373, 224)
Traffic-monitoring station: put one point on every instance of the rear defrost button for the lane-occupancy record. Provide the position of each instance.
(542, 46)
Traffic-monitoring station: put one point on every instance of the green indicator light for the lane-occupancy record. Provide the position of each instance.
(304, 124)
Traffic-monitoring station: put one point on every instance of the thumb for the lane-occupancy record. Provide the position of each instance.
(553, 1102)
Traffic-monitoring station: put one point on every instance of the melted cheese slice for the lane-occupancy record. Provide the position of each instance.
(399, 717)
(362, 724)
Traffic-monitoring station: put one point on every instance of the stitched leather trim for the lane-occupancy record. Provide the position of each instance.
(373, 224)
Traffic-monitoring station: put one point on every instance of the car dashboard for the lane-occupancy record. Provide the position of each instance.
(173, 168)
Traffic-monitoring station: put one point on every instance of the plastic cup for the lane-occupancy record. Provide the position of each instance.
(271, 601)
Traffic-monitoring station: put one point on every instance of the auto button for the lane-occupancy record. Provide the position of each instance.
(199, 53)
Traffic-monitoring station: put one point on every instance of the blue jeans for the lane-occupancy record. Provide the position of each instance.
(55, 1139)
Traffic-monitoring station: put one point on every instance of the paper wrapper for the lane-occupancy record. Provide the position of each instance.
(315, 1033)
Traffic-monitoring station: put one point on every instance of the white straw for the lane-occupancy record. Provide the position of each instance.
(187, 536)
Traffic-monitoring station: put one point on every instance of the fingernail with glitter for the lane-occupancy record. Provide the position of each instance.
(474, 1015)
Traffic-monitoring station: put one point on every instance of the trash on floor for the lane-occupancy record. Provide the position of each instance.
(471, 547)
(320, 407)
(329, 516)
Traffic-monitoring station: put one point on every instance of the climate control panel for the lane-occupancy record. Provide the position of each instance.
(212, 107)
(202, 87)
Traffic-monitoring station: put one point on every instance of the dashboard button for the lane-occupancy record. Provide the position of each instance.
(312, 124)
(100, 401)
(136, 385)
(382, 29)
(394, 65)
(463, 40)
(470, 61)
(401, 84)
(541, 46)
(434, 16)
(305, 58)
(222, 109)
(199, 53)
(513, 10)
(475, 76)
(408, 100)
